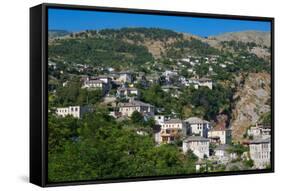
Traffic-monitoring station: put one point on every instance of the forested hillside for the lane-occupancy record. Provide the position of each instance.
(225, 81)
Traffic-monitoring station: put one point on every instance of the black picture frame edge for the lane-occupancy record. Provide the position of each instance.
(36, 168)
(39, 80)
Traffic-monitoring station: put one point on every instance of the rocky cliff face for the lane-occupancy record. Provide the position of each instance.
(252, 101)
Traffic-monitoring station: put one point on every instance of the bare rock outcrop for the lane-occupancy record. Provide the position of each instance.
(252, 101)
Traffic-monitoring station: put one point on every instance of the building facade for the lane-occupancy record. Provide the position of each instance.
(259, 131)
(101, 83)
(125, 77)
(127, 109)
(220, 135)
(197, 126)
(202, 82)
(198, 145)
(260, 151)
(75, 111)
(128, 92)
(172, 130)
(223, 155)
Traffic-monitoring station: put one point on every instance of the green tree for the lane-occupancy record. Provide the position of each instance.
(137, 117)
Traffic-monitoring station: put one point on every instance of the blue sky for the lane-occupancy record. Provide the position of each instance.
(79, 20)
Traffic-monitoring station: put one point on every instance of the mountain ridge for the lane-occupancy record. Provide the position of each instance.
(258, 37)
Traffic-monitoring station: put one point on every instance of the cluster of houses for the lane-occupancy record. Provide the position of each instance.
(173, 78)
(196, 134)
(190, 62)
(123, 86)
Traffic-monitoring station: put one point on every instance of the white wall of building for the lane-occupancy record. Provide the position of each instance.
(224, 135)
(199, 148)
(200, 129)
(260, 154)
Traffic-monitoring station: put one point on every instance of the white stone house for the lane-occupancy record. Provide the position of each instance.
(93, 83)
(206, 82)
(105, 79)
(168, 74)
(259, 131)
(220, 135)
(198, 145)
(160, 119)
(197, 126)
(127, 109)
(254, 131)
(202, 82)
(260, 151)
(75, 111)
(223, 65)
(171, 130)
(186, 59)
(127, 92)
(125, 77)
(223, 155)
(103, 83)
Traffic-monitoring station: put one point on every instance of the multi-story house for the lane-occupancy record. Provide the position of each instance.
(125, 77)
(169, 75)
(75, 111)
(160, 119)
(127, 109)
(93, 83)
(198, 145)
(103, 83)
(260, 151)
(197, 126)
(220, 135)
(171, 130)
(128, 92)
(202, 82)
(259, 131)
(223, 154)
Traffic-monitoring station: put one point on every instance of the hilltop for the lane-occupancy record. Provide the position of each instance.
(163, 42)
(257, 37)
(57, 33)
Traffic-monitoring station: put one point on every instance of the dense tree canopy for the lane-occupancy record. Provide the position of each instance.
(98, 147)
(98, 51)
(203, 101)
(73, 94)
